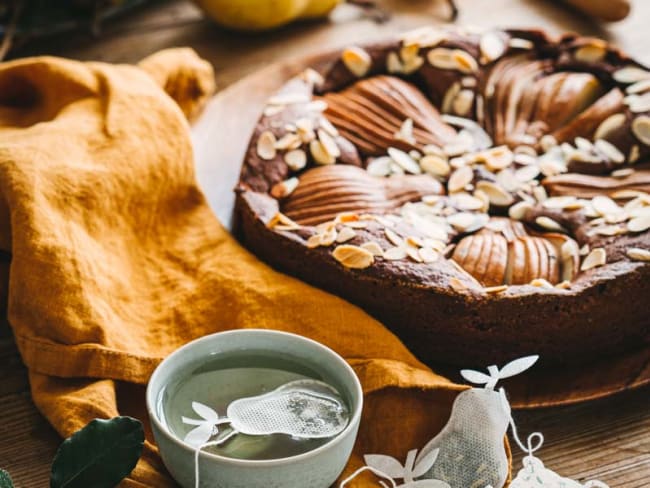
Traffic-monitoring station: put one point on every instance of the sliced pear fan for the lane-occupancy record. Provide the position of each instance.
(370, 113)
(325, 191)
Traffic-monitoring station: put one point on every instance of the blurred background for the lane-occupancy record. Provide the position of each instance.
(128, 30)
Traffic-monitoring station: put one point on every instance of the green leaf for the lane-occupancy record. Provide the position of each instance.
(100, 455)
(5, 480)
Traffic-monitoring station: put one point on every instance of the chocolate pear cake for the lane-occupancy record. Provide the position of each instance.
(484, 195)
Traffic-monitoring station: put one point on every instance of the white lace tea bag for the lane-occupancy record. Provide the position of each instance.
(469, 452)
(302, 409)
(535, 475)
(472, 451)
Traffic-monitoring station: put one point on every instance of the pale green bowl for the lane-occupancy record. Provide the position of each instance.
(318, 468)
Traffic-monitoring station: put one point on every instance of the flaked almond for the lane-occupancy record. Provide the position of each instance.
(622, 173)
(492, 45)
(328, 236)
(428, 255)
(313, 241)
(462, 221)
(559, 202)
(404, 161)
(457, 285)
(635, 153)
(450, 95)
(395, 253)
(414, 254)
(527, 173)
(459, 179)
(608, 230)
(288, 141)
(519, 210)
(329, 144)
(547, 142)
(631, 74)
(463, 102)
(591, 53)
(465, 201)
(564, 285)
(435, 165)
(424, 37)
(328, 127)
(281, 222)
(296, 159)
(609, 150)
(345, 234)
(495, 289)
(320, 155)
(541, 283)
(393, 238)
(641, 129)
(284, 188)
(638, 254)
(497, 195)
(549, 224)
(639, 224)
(539, 192)
(405, 132)
(605, 205)
(266, 145)
(357, 60)
(610, 125)
(519, 43)
(498, 158)
(597, 257)
(354, 257)
(456, 59)
(638, 87)
(373, 248)
(638, 103)
(380, 166)
(393, 63)
(413, 64)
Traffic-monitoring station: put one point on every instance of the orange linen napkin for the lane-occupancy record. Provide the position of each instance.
(116, 259)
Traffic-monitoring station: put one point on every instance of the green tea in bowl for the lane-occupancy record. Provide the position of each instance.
(255, 408)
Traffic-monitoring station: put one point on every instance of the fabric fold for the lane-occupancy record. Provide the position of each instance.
(117, 260)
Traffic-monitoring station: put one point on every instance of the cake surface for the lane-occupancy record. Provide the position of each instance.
(485, 195)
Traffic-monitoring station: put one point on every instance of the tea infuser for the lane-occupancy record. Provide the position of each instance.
(304, 409)
(469, 450)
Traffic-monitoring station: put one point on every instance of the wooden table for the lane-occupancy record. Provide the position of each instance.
(607, 439)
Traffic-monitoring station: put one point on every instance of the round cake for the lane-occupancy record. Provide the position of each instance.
(484, 195)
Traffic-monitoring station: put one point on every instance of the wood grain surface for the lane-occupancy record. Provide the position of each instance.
(606, 439)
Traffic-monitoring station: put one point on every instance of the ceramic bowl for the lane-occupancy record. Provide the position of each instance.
(318, 468)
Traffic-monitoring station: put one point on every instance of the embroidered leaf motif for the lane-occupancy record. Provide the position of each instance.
(517, 366)
(426, 463)
(386, 464)
(475, 377)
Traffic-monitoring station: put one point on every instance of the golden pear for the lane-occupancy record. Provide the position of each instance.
(258, 15)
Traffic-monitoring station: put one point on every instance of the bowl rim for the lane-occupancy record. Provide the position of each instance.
(353, 423)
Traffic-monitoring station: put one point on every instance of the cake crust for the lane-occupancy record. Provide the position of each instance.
(527, 270)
